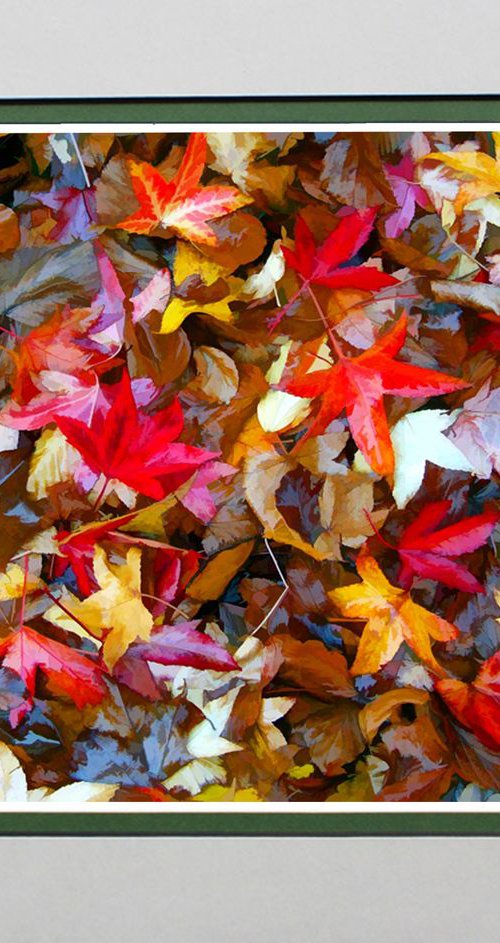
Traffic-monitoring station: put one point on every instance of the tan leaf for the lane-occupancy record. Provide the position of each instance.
(218, 373)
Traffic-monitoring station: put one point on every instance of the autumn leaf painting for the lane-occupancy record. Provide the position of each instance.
(249, 467)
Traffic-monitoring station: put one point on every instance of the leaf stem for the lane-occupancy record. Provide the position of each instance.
(328, 328)
(100, 495)
(23, 597)
(67, 612)
(376, 531)
(280, 597)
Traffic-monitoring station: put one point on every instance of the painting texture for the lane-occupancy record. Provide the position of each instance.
(249, 456)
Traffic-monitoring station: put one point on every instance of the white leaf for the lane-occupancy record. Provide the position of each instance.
(78, 792)
(263, 283)
(203, 742)
(8, 439)
(277, 410)
(418, 438)
(195, 775)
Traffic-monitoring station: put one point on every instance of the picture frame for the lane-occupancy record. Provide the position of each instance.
(302, 112)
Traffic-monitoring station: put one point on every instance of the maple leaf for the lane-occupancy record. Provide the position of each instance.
(116, 611)
(426, 552)
(181, 204)
(392, 618)
(124, 443)
(477, 705)
(26, 652)
(358, 385)
(325, 264)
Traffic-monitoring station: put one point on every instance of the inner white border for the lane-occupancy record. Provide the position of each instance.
(301, 808)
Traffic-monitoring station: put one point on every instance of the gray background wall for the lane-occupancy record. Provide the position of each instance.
(249, 890)
(68, 48)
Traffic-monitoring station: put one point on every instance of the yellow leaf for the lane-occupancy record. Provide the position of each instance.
(12, 582)
(473, 164)
(224, 794)
(117, 606)
(301, 772)
(189, 261)
(180, 308)
(53, 461)
(278, 410)
(391, 619)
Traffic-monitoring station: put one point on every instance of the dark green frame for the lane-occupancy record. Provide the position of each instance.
(226, 824)
(303, 110)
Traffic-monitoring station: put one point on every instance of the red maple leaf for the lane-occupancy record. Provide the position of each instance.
(358, 385)
(477, 705)
(26, 652)
(426, 552)
(122, 442)
(322, 265)
(325, 264)
(180, 204)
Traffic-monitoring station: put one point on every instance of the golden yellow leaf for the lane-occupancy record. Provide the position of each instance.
(378, 711)
(391, 619)
(219, 571)
(190, 261)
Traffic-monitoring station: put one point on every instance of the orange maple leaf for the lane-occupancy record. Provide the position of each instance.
(180, 204)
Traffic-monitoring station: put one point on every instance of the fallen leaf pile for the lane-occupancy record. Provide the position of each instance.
(249, 458)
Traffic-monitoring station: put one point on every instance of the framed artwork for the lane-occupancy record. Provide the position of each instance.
(249, 456)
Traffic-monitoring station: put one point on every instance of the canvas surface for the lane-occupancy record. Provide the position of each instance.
(249, 449)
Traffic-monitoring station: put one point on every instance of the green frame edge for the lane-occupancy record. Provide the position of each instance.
(303, 110)
(280, 110)
(227, 824)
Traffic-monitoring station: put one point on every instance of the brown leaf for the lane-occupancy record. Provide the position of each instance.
(9, 229)
(311, 667)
